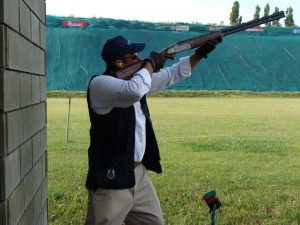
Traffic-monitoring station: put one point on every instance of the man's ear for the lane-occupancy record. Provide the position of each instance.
(119, 64)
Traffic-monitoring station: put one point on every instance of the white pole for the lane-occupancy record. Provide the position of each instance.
(68, 120)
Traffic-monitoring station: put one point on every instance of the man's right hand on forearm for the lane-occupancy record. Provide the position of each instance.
(157, 61)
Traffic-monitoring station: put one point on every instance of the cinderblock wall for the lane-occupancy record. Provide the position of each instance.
(23, 148)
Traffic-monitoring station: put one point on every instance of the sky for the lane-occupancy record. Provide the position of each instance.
(190, 11)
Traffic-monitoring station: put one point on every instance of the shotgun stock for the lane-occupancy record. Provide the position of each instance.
(169, 52)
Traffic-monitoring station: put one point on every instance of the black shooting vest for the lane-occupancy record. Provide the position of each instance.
(112, 142)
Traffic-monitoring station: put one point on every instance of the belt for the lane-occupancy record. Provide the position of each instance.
(136, 164)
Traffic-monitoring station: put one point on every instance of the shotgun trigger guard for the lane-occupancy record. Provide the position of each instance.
(170, 56)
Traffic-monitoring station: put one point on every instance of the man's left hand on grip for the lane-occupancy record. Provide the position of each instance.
(208, 47)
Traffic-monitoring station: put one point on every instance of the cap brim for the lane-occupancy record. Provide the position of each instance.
(137, 47)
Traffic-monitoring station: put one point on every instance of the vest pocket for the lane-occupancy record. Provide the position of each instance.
(115, 172)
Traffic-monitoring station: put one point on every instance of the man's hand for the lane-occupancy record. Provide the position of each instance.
(208, 47)
(157, 61)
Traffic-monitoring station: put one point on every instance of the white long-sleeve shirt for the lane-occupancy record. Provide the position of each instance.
(107, 92)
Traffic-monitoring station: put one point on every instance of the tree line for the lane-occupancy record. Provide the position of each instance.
(236, 19)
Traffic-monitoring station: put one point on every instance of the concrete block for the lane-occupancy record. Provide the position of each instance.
(19, 52)
(11, 170)
(36, 89)
(43, 36)
(25, 24)
(35, 29)
(28, 188)
(26, 158)
(40, 218)
(3, 213)
(26, 92)
(2, 180)
(43, 85)
(2, 46)
(1, 11)
(37, 150)
(11, 13)
(27, 218)
(14, 130)
(38, 174)
(45, 209)
(43, 114)
(44, 139)
(11, 90)
(39, 61)
(1, 90)
(29, 3)
(45, 191)
(45, 165)
(16, 205)
(34, 119)
(43, 18)
(38, 7)
(37, 206)
(3, 135)
(30, 121)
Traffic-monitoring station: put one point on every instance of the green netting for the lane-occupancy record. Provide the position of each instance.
(266, 61)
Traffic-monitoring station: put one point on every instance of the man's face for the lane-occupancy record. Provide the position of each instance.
(131, 58)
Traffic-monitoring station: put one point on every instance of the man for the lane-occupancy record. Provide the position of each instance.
(122, 141)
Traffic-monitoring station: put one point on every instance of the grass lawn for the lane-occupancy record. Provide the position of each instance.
(245, 148)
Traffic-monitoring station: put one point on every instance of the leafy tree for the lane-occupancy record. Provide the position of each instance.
(267, 12)
(257, 12)
(234, 15)
(240, 19)
(289, 21)
(276, 23)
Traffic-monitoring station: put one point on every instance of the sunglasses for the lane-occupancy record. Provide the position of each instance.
(131, 57)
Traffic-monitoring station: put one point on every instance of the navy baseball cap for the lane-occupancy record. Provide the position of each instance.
(117, 47)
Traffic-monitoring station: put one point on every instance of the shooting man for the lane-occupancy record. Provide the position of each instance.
(122, 141)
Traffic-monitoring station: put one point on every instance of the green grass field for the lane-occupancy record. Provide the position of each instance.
(247, 149)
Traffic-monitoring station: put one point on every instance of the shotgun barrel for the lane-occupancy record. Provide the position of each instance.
(169, 52)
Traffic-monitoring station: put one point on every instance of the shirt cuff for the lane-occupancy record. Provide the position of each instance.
(185, 66)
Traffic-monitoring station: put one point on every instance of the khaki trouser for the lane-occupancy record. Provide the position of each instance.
(135, 206)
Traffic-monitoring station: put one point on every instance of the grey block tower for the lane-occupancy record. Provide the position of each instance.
(23, 133)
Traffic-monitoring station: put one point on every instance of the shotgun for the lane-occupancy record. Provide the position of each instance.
(196, 42)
